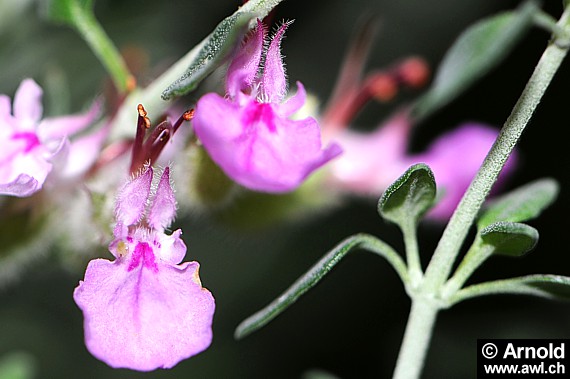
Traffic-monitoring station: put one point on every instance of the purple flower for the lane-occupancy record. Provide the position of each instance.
(144, 310)
(31, 146)
(372, 161)
(250, 134)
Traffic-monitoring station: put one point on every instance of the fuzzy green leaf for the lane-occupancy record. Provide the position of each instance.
(510, 238)
(478, 49)
(409, 197)
(315, 274)
(212, 54)
(64, 10)
(547, 286)
(216, 47)
(522, 204)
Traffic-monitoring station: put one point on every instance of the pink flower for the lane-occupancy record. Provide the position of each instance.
(250, 134)
(31, 146)
(144, 310)
(372, 161)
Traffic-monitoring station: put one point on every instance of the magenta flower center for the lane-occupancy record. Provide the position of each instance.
(143, 255)
(30, 139)
(259, 114)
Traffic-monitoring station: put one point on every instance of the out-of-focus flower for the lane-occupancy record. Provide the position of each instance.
(250, 134)
(31, 146)
(144, 310)
(372, 161)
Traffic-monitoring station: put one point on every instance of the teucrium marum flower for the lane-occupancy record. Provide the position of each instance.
(30, 145)
(145, 310)
(249, 133)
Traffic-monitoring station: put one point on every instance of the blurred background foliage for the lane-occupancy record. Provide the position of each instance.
(350, 325)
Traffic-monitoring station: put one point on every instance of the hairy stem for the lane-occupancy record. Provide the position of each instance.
(416, 339)
(424, 308)
(462, 219)
(412, 253)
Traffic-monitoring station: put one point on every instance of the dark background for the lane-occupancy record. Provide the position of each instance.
(352, 323)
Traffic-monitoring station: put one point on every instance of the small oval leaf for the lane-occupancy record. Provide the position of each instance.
(522, 204)
(409, 197)
(478, 49)
(510, 238)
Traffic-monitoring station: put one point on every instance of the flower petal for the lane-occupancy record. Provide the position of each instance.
(294, 103)
(5, 109)
(216, 120)
(163, 209)
(144, 319)
(273, 80)
(279, 155)
(23, 186)
(132, 198)
(243, 69)
(83, 152)
(27, 104)
(172, 248)
(19, 166)
(372, 161)
(66, 126)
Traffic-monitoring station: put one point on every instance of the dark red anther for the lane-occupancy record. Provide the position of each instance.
(143, 123)
(157, 140)
(147, 151)
(413, 72)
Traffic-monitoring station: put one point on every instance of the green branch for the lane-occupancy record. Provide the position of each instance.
(316, 273)
(463, 217)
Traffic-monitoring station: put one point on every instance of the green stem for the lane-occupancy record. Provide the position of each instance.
(376, 246)
(424, 309)
(547, 22)
(475, 256)
(103, 47)
(416, 339)
(513, 286)
(456, 231)
(316, 273)
(412, 254)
